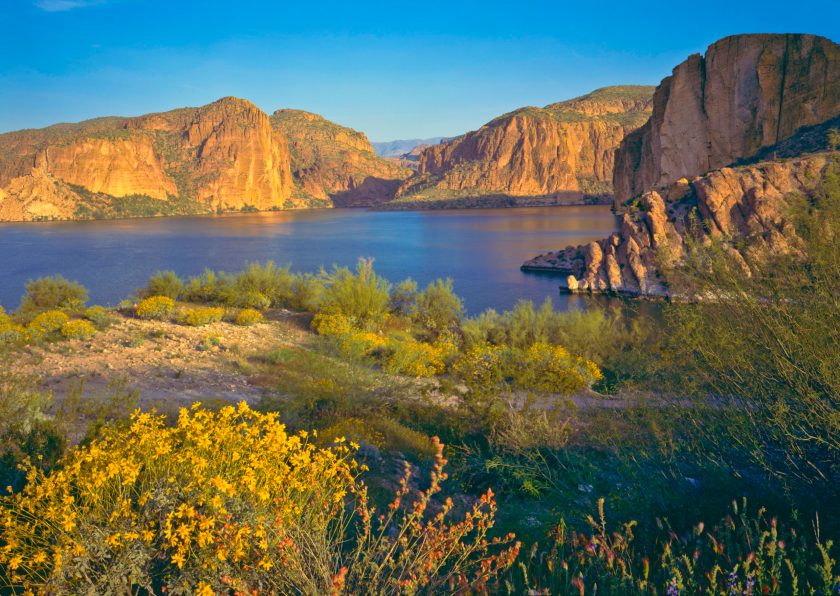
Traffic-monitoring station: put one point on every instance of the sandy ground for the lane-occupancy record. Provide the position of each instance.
(164, 362)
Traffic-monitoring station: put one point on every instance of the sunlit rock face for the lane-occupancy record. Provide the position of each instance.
(567, 147)
(747, 92)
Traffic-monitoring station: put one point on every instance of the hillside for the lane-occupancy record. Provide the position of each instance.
(563, 152)
(335, 164)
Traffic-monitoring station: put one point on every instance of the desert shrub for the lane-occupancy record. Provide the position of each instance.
(228, 501)
(308, 292)
(359, 345)
(155, 307)
(201, 315)
(437, 308)
(204, 288)
(52, 293)
(257, 283)
(11, 332)
(415, 358)
(78, 329)
(404, 297)
(248, 316)
(361, 296)
(163, 283)
(47, 323)
(481, 367)
(331, 324)
(100, 316)
(767, 344)
(744, 553)
(552, 369)
(26, 430)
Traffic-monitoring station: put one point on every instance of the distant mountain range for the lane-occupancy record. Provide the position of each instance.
(401, 147)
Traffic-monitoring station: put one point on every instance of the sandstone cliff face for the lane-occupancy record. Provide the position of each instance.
(747, 92)
(220, 157)
(336, 164)
(748, 203)
(565, 149)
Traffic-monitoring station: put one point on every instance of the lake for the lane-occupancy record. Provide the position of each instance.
(480, 249)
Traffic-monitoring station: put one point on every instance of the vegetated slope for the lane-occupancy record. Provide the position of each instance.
(564, 151)
(220, 157)
(335, 164)
(744, 104)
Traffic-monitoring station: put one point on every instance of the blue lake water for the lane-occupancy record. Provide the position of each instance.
(480, 249)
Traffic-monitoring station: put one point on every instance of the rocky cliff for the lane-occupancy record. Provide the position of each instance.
(747, 92)
(564, 150)
(335, 164)
(748, 203)
(220, 157)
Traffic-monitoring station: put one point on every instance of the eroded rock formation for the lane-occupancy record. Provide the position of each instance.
(747, 92)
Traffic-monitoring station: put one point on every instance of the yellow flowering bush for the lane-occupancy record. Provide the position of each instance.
(481, 367)
(155, 307)
(201, 315)
(221, 501)
(552, 369)
(47, 323)
(360, 344)
(78, 329)
(99, 316)
(248, 316)
(11, 332)
(416, 358)
(331, 324)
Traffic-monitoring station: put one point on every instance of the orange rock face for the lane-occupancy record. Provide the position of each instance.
(224, 156)
(746, 93)
(336, 164)
(563, 149)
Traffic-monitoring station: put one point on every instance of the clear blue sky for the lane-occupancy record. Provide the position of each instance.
(395, 69)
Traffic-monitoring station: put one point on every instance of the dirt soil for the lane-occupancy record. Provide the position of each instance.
(164, 362)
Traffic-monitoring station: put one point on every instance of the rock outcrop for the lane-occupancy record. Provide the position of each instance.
(336, 165)
(220, 157)
(564, 150)
(747, 92)
(748, 203)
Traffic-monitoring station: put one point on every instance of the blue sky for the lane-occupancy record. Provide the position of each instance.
(393, 69)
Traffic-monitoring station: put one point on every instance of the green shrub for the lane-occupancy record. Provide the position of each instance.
(201, 315)
(415, 358)
(155, 307)
(163, 283)
(52, 293)
(100, 316)
(11, 332)
(552, 369)
(259, 283)
(437, 308)
(78, 329)
(47, 323)
(404, 297)
(363, 297)
(308, 292)
(204, 288)
(248, 317)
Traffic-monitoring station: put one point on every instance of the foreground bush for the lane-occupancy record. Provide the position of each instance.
(52, 293)
(11, 332)
(155, 307)
(201, 315)
(78, 329)
(226, 502)
(100, 316)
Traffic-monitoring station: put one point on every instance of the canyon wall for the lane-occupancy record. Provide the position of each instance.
(747, 92)
(565, 149)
